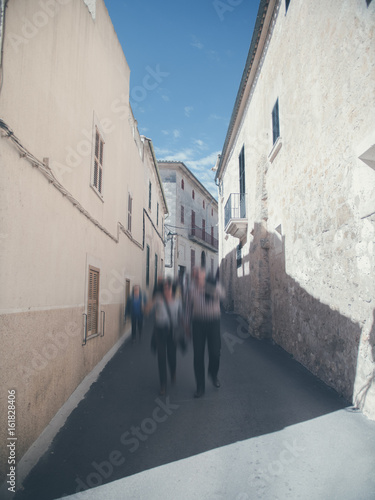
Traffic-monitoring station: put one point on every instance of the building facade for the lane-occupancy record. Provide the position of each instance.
(297, 190)
(76, 222)
(191, 226)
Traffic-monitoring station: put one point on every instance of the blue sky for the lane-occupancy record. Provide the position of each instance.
(186, 60)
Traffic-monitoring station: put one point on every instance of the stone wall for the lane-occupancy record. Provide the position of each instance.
(311, 204)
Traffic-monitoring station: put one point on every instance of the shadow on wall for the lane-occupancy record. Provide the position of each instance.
(367, 380)
(276, 306)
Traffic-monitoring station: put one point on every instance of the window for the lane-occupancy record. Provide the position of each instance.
(192, 258)
(239, 255)
(130, 209)
(149, 195)
(148, 266)
(93, 301)
(193, 194)
(203, 230)
(287, 2)
(193, 222)
(156, 271)
(212, 212)
(242, 183)
(204, 204)
(182, 214)
(127, 291)
(212, 235)
(275, 122)
(212, 266)
(182, 184)
(157, 214)
(98, 162)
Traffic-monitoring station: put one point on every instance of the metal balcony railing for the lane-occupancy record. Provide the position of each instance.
(200, 234)
(235, 207)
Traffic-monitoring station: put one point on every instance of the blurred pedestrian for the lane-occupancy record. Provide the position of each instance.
(134, 309)
(167, 311)
(204, 311)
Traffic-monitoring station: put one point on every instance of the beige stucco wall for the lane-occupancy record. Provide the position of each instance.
(314, 282)
(65, 77)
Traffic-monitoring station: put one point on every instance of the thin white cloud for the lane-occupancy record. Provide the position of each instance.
(188, 110)
(165, 132)
(176, 134)
(196, 43)
(201, 144)
(213, 116)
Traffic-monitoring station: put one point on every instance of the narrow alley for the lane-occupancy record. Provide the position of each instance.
(272, 430)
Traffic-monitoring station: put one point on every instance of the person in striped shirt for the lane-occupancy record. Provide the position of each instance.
(203, 313)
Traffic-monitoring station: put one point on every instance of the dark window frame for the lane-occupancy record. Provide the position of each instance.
(275, 121)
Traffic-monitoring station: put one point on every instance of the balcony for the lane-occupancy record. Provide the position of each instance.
(235, 220)
(200, 236)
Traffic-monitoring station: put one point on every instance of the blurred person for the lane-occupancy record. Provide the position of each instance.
(204, 311)
(135, 308)
(167, 312)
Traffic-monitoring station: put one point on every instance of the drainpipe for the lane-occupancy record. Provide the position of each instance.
(3, 6)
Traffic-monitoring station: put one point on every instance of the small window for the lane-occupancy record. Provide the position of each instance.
(193, 194)
(148, 266)
(212, 212)
(239, 255)
(204, 204)
(212, 235)
(182, 184)
(130, 209)
(203, 230)
(156, 270)
(93, 301)
(287, 2)
(157, 214)
(275, 122)
(192, 259)
(98, 162)
(182, 214)
(149, 195)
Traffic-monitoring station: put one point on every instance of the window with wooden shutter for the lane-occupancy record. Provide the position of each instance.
(98, 162)
(93, 302)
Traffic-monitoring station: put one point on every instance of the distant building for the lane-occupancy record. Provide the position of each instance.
(297, 190)
(82, 204)
(191, 226)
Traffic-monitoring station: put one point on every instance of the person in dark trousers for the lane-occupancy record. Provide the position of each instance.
(204, 315)
(167, 315)
(134, 309)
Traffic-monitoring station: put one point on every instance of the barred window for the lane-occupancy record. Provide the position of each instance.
(93, 301)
